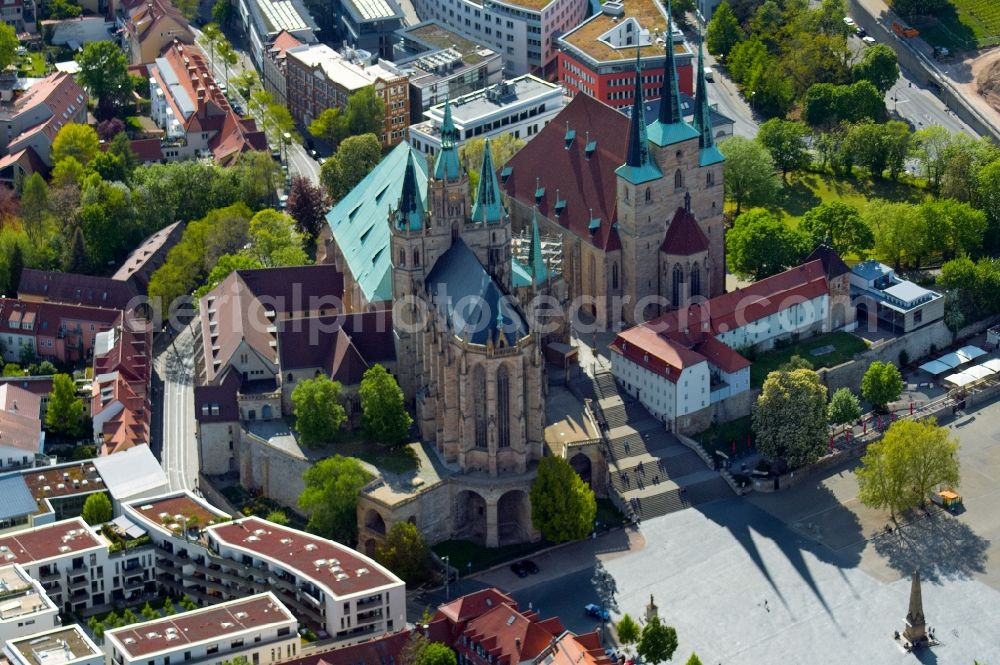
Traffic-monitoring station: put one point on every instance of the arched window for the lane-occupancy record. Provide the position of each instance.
(503, 407)
(678, 286)
(709, 178)
(649, 195)
(416, 258)
(402, 258)
(679, 154)
(614, 275)
(479, 399)
(695, 281)
(678, 179)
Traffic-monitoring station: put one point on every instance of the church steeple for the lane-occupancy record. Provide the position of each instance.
(670, 126)
(447, 167)
(710, 153)
(488, 208)
(638, 166)
(536, 261)
(410, 214)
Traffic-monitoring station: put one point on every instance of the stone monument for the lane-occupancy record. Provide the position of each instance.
(915, 635)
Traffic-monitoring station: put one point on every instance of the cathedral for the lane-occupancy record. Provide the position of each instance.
(639, 208)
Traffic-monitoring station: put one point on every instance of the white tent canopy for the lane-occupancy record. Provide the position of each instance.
(952, 360)
(960, 380)
(935, 367)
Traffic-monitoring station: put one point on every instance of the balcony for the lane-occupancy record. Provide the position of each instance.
(50, 576)
(78, 583)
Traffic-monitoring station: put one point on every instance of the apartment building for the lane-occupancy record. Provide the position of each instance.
(258, 628)
(524, 32)
(19, 14)
(149, 26)
(62, 333)
(24, 608)
(369, 25)
(324, 78)
(68, 645)
(264, 20)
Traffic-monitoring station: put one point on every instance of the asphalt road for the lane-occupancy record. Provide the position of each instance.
(179, 446)
(300, 163)
(725, 96)
(921, 107)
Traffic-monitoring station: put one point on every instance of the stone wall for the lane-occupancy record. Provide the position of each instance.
(275, 472)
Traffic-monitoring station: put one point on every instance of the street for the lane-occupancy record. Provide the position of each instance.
(725, 97)
(921, 107)
(179, 445)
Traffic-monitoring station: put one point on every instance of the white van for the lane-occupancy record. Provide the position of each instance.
(709, 74)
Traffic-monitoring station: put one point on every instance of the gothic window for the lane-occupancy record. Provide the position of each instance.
(709, 178)
(402, 258)
(649, 195)
(678, 289)
(695, 281)
(614, 275)
(479, 400)
(678, 179)
(416, 258)
(679, 154)
(503, 406)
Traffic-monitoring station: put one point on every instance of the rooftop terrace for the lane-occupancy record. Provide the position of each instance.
(61, 646)
(20, 596)
(170, 514)
(651, 19)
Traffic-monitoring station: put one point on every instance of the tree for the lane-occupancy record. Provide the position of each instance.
(121, 147)
(222, 12)
(96, 509)
(628, 629)
(723, 32)
(898, 471)
(437, 653)
(748, 173)
(63, 9)
(34, 206)
(96, 627)
(104, 73)
(77, 141)
(881, 384)
(878, 65)
(841, 226)
(274, 241)
(844, 407)
(213, 37)
(75, 260)
(879, 146)
(364, 113)
(328, 125)
(330, 497)
(307, 204)
(404, 551)
(658, 642)
(932, 146)
(319, 415)
(355, 158)
(785, 141)
(12, 369)
(562, 505)
(383, 411)
(693, 660)
(8, 46)
(860, 101)
(168, 607)
(760, 245)
(277, 517)
(502, 148)
(899, 231)
(65, 411)
(789, 417)
(962, 227)
(15, 268)
(228, 55)
(227, 265)
(149, 613)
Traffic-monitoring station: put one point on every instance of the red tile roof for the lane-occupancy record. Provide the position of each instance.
(474, 604)
(58, 93)
(40, 386)
(585, 649)
(344, 346)
(385, 649)
(654, 351)
(284, 41)
(684, 237)
(75, 289)
(144, 15)
(46, 542)
(147, 150)
(512, 637)
(589, 186)
(122, 376)
(50, 317)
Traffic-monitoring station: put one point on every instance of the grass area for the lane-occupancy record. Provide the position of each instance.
(394, 459)
(248, 504)
(32, 64)
(461, 552)
(846, 346)
(963, 25)
(722, 436)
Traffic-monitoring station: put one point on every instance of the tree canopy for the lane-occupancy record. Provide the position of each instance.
(785, 141)
(77, 141)
(64, 415)
(877, 65)
(383, 411)
(404, 551)
(8, 46)
(307, 204)
(563, 507)
(841, 226)
(658, 641)
(789, 417)
(319, 415)
(844, 407)
(364, 113)
(97, 509)
(628, 630)
(274, 240)
(723, 32)
(355, 158)
(330, 497)
(760, 245)
(881, 384)
(104, 73)
(749, 173)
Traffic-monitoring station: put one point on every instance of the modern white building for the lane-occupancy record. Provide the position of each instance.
(886, 300)
(524, 32)
(264, 20)
(131, 475)
(258, 628)
(68, 645)
(25, 609)
(520, 107)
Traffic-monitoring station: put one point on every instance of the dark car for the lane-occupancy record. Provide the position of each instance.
(596, 611)
(529, 566)
(519, 569)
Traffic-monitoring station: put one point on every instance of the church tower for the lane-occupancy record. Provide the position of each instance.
(447, 191)
(707, 191)
(488, 230)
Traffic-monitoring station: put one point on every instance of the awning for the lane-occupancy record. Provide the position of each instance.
(935, 367)
(960, 380)
(128, 527)
(970, 353)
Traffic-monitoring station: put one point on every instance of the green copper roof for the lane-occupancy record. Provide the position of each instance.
(703, 115)
(638, 167)
(520, 276)
(447, 167)
(536, 262)
(669, 126)
(360, 221)
(410, 213)
(488, 208)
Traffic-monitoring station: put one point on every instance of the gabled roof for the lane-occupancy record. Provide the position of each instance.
(512, 637)
(474, 604)
(471, 301)
(655, 351)
(584, 180)
(149, 256)
(75, 289)
(684, 236)
(344, 347)
(132, 472)
(360, 226)
(833, 265)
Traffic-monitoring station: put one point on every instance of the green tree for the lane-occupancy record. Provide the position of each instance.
(355, 158)
(562, 505)
(723, 32)
(841, 226)
(879, 146)
(319, 415)
(63, 9)
(104, 73)
(307, 204)
(35, 212)
(277, 517)
(328, 125)
(437, 653)
(382, 406)
(96, 627)
(64, 415)
(820, 107)
(844, 407)
(212, 35)
(97, 509)
(274, 240)
(8, 46)
(149, 613)
(15, 267)
(859, 102)
(749, 173)
(628, 630)
(364, 113)
(404, 551)
(760, 245)
(330, 497)
(932, 146)
(168, 607)
(77, 141)
(881, 384)
(502, 148)
(13, 369)
(962, 227)
(878, 65)
(899, 231)
(658, 641)
(785, 141)
(789, 417)
(75, 259)
(693, 660)
(900, 470)
(222, 12)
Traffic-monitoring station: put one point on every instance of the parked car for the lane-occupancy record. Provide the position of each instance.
(529, 566)
(519, 569)
(709, 74)
(868, 40)
(596, 611)
(849, 22)
(861, 32)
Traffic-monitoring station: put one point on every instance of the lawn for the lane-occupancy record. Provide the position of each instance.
(722, 436)
(964, 25)
(394, 459)
(461, 552)
(33, 64)
(846, 346)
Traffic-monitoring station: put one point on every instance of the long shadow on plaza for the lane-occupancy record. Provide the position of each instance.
(939, 546)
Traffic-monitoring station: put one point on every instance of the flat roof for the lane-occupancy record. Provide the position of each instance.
(471, 108)
(170, 513)
(908, 291)
(339, 69)
(47, 542)
(285, 15)
(373, 10)
(338, 568)
(50, 482)
(56, 647)
(586, 37)
(131, 472)
(207, 624)
(21, 594)
(531, 5)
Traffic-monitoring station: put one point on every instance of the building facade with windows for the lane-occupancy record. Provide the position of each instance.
(264, 20)
(369, 25)
(25, 607)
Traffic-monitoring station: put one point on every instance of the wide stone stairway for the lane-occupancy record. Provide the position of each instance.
(652, 472)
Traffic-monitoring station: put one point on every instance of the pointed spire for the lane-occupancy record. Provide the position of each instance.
(638, 154)
(670, 101)
(409, 215)
(446, 167)
(536, 261)
(487, 208)
(710, 153)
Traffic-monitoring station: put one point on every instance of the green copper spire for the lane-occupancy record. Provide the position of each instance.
(410, 214)
(703, 114)
(536, 262)
(487, 208)
(446, 167)
(638, 167)
(670, 126)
